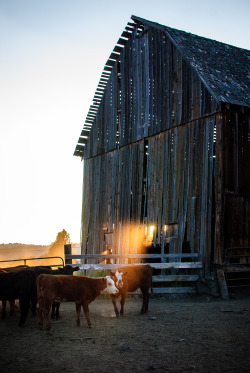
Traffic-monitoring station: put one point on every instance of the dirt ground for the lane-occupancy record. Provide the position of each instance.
(198, 334)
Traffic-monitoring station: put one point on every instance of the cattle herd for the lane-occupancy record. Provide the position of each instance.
(41, 288)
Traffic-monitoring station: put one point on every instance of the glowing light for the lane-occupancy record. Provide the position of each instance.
(150, 235)
(151, 229)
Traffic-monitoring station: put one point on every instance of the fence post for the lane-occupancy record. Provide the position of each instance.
(67, 250)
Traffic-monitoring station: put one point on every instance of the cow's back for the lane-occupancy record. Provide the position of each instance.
(138, 276)
(67, 288)
(16, 284)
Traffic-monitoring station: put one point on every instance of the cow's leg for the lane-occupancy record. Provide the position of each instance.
(3, 308)
(123, 297)
(57, 310)
(78, 313)
(86, 312)
(24, 305)
(53, 313)
(147, 300)
(40, 312)
(46, 309)
(12, 307)
(145, 295)
(113, 298)
(33, 308)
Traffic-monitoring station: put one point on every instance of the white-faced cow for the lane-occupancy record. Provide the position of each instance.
(79, 289)
(129, 279)
(66, 270)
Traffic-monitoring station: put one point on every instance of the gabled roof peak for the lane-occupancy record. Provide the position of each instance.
(223, 68)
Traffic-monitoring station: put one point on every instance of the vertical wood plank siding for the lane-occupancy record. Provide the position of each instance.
(153, 158)
(236, 170)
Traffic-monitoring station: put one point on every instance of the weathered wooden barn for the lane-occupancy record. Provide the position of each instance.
(166, 147)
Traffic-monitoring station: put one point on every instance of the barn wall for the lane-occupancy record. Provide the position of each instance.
(233, 203)
(164, 181)
(148, 167)
(151, 89)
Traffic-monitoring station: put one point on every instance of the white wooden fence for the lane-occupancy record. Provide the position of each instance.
(170, 266)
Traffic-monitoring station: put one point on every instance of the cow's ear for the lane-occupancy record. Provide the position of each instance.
(76, 269)
(112, 273)
(60, 269)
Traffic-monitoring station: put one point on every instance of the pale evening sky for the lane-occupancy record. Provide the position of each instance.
(52, 56)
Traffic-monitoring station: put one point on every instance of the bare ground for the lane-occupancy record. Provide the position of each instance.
(201, 334)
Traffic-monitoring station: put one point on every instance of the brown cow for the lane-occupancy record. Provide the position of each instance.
(79, 289)
(131, 278)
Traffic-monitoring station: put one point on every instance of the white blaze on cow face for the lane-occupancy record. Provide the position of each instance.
(111, 288)
(119, 282)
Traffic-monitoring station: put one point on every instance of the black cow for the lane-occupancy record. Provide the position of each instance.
(11, 302)
(18, 285)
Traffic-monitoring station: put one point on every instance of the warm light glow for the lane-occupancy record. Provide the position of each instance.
(151, 229)
(129, 239)
(150, 235)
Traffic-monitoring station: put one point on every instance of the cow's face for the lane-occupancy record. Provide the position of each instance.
(110, 286)
(119, 279)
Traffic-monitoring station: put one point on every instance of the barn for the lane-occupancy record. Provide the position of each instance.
(166, 147)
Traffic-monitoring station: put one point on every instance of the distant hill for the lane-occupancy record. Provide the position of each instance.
(13, 251)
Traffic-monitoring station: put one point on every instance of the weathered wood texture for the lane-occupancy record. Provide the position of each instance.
(232, 180)
(160, 153)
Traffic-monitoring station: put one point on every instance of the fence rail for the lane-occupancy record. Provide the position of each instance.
(24, 260)
(169, 262)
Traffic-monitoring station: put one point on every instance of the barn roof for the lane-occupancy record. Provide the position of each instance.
(224, 69)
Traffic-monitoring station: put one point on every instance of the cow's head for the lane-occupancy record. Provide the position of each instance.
(68, 269)
(110, 287)
(119, 278)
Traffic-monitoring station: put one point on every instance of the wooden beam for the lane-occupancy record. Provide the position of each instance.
(175, 290)
(193, 265)
(82, 140)
(79, 147)
(85, 133)
(173, 278)
(118, 48)
(134, 256)
(122, 41)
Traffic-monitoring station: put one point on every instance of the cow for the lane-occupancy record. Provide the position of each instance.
(18, 285)
(11, 302)
(16, 268)
(66, 270)
(79, 289)
(129, 279)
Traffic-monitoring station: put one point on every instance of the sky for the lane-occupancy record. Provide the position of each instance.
(52, 56)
